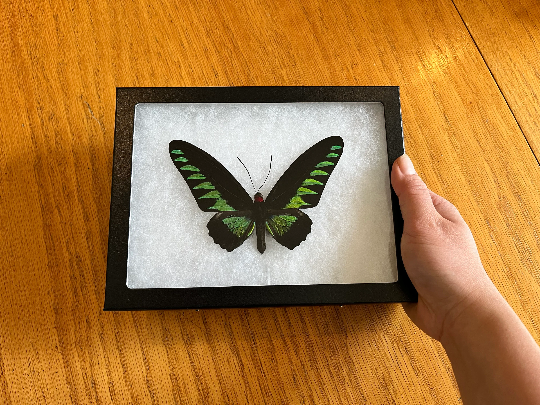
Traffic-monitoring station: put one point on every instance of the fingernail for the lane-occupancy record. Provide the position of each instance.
(405, 165)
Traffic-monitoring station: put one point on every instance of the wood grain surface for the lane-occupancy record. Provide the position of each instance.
(507, 34)
(60, 63)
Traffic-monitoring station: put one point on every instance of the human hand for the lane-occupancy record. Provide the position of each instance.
(439, 254)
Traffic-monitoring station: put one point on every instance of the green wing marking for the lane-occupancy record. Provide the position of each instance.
(296, 202)
(335, 147)
(196, 176)
(239, 225)
(318, 173)
(205, 185)
(212, 194)
(280, 224)
(304, 191)
(191, 168)
(312, 182)
(325, 163)
(221, 205)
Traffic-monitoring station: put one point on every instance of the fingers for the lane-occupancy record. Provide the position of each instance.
(414, 196)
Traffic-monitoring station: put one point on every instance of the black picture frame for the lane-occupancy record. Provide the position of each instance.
(119, 297)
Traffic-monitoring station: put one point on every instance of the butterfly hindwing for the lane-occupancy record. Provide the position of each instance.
(288, 227)
(303, 182)
(215, 189)
(230, 229)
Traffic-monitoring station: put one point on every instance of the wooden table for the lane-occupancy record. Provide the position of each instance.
(469, 73)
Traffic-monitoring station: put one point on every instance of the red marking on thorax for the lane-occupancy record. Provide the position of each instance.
(258, 198)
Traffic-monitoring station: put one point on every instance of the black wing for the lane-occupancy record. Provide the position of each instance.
(215, 189)
(303, 182)
(301, 186)
(288, 227)
(230, 229)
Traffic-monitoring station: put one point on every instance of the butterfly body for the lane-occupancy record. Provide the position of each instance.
(216, 190)
(260, 215)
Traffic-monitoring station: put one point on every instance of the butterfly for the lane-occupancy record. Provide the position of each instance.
(237, 215)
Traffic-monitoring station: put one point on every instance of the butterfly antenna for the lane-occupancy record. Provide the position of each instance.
(269, 170)
(252, 185)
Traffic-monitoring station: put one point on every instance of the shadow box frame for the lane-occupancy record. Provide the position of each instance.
(119, 297)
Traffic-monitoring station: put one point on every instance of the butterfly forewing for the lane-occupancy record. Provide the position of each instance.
(213, 186)
(303, 182)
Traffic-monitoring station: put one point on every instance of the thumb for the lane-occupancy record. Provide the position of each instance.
(414, 197)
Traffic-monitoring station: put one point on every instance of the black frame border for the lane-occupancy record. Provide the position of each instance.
(119, 297)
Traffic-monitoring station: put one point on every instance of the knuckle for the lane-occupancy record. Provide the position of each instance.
(415, 185)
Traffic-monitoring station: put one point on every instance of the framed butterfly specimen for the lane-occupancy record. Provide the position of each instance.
(327, 238)
(216, 190)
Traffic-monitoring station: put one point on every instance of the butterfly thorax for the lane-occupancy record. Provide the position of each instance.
(258, 198)
(259, 208)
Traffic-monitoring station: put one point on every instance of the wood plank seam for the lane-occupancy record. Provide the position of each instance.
(496, 83)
